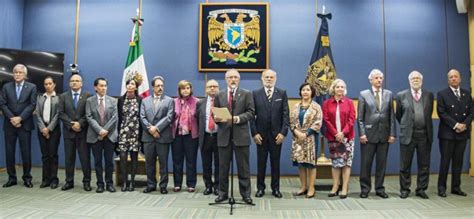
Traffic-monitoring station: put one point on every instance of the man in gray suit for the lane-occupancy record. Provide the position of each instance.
(18, 101)
(156, 115)
(376, 121)
(208, 138)
(240, 101)
(101, 114)
(72, 112)
(413, 111)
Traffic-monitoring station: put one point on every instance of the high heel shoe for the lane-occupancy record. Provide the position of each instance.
(343, 196)
(131, 188)
(300, 193)
(333, 194)
(124, 187)
(311, 196)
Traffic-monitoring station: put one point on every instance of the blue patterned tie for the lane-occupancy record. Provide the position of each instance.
(75, 99)
(18, 91)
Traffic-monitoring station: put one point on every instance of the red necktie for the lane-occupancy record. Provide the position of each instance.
(211, 125)
(417, 97)
(230, 99)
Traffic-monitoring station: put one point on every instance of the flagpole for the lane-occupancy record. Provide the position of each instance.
(76, 34)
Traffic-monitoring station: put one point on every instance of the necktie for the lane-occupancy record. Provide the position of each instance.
(156, 101)
(456, 92)
(75, 99)
(211, 125)
(377, 99)
(102, 111)
(269, 95)
(18, 91)
(230, 99)
(417, 96)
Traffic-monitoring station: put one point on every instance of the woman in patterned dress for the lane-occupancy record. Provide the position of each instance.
(129, 129)
(185, 133)
(339, 117)
(305, 123)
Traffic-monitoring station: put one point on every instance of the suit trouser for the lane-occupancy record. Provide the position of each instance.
(419, 142)
(451, 151)
(209, 152)
(184, 148)
(49, 155)
(368, 152)
(268, 147)
(104, 149)
(24, 136)
(243, 169)
(70, 147)
(152, 150)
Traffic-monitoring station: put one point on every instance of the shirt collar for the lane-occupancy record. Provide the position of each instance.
(52, 94)
(373, 89)
(99, 97)
(454, 89)
(335, 101)
(21, 84)
(78, 91)
(413, 91)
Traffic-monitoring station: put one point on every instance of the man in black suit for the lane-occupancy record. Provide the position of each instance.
(269, 130)
(72, 112)
(455, 114)
(241, 102)
(18, 101)
(413, 111)
(208, 138)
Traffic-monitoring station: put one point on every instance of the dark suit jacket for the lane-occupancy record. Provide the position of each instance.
(376, 125)
(120, 102)
(452, 111)
(201, 118)
(68, 113)
(270, 117)
(54, 119)
(405, 113)
(244, 108)
(22, 107)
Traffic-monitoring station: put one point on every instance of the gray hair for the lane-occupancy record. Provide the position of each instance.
(212, 80)
(231, 70)
(269, 70)
(21, 66)
(413, 73)
(332, 87)
(374, 72)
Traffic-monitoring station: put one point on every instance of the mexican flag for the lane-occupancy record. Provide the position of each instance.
(135, 66)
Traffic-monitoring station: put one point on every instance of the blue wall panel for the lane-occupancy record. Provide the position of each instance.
(415, 37)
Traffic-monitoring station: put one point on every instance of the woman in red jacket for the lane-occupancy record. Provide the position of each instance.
(339, 117)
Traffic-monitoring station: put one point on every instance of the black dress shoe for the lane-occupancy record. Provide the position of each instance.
(163, 191)
(67, 186)
(248, 200)
(149, 189)
(259, 193)
(110, 188)
(300, 193)
(99, 189)
(87, 187)
(277, 194)
(45, 184)
(458, 192)
(9, 184)
(404, 194)
(364, 195)
(382, 194)
(216, 191)
(28, 184)
(207, 191)
(54, 185)
(442, 194)
(422, 194)
(221, 198)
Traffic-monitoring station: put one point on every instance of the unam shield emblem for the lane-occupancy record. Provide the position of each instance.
(234, 35)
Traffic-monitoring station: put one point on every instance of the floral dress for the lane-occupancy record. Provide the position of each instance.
(129, 128)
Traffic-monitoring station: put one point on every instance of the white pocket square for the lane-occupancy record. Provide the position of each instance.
(277, 100)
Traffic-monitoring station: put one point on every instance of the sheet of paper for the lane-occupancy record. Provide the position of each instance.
(222, 113)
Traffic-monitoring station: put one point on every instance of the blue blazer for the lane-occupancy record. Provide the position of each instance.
(22, 107)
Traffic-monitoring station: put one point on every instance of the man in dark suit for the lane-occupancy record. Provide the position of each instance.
(156, 115)
(269, 130)
(455, 113)
(208, 138)
(376, 121)
(18, 101)
(413, 111)
(49, 132)
(72, 112)
(239, 101)
(101, 114)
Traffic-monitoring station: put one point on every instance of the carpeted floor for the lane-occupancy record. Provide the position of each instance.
(21, 202)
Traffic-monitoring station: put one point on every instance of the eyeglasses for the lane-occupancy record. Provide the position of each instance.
(212, 86)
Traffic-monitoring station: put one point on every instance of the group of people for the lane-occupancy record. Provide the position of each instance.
(106, 125)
